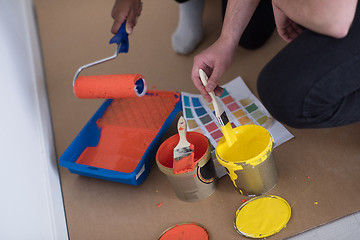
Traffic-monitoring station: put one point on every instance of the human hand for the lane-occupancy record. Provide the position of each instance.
(128, 10)
(214, 61)
(287, 29)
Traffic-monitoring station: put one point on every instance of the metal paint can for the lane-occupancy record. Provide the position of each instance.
(193, 185)
(250, 163)
(185, 231)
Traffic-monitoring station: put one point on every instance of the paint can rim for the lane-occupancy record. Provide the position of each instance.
(254, 161)
(274, 231)
(198, 163)
(184, 223)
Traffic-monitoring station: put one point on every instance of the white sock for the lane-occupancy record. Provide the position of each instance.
(189, 31)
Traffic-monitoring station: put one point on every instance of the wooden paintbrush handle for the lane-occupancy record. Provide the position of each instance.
(219, 111)
(182, 129)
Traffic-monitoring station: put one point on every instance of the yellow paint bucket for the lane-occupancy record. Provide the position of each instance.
(249, 162)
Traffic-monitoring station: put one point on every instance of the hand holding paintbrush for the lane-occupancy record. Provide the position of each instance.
(226, 128)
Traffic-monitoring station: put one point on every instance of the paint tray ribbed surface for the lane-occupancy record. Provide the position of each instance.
(120, 141)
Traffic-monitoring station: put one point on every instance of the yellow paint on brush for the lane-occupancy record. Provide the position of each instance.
(229, 134)
(262, 216)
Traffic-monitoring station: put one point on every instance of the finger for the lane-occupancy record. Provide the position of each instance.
(116, 26)
(298, 29)
(219, 91)
(119, 17)
(140, 8)
(214, 79)
(198, 83)
(131, 21)
(290, 33)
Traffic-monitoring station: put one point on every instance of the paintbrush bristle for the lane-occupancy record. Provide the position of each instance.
(182, 152)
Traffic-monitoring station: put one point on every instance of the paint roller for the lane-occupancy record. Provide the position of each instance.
(110, 86)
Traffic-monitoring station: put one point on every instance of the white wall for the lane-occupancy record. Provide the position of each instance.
(31, 205)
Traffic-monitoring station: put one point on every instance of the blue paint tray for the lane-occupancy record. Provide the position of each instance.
(120, 141)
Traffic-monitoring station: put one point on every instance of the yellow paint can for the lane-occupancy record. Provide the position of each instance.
(249, 162)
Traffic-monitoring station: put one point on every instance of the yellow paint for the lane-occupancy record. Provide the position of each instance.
(252, 147)
(233, 176)
(262, 216)
(229, 134)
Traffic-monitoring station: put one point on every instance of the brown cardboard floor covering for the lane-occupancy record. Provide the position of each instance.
(319, 166)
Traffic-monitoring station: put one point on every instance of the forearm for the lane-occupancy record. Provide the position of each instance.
(328, 17)
(237, 16)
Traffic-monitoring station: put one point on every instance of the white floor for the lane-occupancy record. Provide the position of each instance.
(347, 228)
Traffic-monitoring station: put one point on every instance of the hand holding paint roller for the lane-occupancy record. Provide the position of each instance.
(184, 151)
(226, 128)
(110, 86)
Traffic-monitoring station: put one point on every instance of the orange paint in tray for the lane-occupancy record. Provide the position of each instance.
(127, 131)
(119, 149)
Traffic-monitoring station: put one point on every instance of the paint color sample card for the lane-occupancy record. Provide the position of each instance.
(241, 107)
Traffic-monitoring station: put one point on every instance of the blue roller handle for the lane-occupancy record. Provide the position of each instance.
(121, 38)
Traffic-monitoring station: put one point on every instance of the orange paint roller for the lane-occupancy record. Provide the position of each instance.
(110, 86)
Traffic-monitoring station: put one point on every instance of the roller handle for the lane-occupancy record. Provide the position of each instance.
(122, 41)
(121, 38)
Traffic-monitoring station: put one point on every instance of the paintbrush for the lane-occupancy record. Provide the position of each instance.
(225, 125)
(184, 151)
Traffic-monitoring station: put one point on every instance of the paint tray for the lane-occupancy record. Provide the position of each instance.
(120, 141)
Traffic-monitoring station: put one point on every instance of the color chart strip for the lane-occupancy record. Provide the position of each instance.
(241, 107)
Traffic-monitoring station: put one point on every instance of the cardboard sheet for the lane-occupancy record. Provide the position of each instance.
(318, 169)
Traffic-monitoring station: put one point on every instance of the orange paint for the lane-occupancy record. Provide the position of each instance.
(128, 126)
(185, 232)
(106, 86)
(185, 164)
(165, 153)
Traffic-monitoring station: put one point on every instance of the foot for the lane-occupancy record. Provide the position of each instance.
(189, 32)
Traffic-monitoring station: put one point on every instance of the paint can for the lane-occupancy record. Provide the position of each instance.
(193, 185)
(250, 163)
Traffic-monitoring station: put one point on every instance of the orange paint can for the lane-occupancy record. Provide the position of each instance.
(192, 185)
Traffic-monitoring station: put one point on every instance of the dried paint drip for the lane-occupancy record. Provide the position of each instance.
(262, 217)
(128, 127)
(185, 231)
